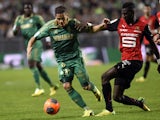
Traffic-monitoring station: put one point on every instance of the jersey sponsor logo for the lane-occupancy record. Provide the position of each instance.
(129, 34)
(63, 37)
(26, 26)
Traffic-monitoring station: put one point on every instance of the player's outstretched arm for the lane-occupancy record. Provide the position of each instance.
(101, 26)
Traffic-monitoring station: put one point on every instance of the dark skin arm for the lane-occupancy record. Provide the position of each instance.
(87, 27)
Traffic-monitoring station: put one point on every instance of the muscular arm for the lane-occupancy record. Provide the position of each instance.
(30, 45)
(105, 25)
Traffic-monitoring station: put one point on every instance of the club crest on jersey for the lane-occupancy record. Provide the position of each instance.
(55, 31)
(31, 21)
(137, 29)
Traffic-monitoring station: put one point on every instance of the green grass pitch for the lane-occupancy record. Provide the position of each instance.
(16, 103)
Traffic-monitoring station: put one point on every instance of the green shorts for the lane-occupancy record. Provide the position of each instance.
(69, 68)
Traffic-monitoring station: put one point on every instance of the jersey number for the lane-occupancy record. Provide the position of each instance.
(128, 41)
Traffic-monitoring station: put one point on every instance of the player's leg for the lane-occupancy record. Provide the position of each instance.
(82, 76)
(123, 82)
(148, 59)
(106, 90)
(66, 74)
(45, 77)
(34, 70)
(77, 98)
(147, 66)
(119, 97)
(34, 57)
(149, 54)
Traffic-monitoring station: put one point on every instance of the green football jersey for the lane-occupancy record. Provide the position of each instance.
(29, 26)
(63, 39)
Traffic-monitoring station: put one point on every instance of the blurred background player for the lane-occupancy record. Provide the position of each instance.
(63, 32)
(158, 19)
(131, 32)
(28, 24)
(151, 20)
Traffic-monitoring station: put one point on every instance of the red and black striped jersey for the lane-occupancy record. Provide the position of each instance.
(131, 37)
(151, 21)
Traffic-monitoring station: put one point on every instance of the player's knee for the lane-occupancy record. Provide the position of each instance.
(86, 87)
(104, 78)
(117, 98)
(31, 65)
(67, 86)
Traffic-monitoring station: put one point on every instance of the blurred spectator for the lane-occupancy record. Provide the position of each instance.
(84, 10)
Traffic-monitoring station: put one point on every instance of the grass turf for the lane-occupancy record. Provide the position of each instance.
(16, 103)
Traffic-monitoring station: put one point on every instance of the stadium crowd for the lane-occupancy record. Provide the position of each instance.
(85, 10)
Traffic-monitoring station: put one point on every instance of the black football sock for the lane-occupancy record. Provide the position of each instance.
(106, 90)
(130, 101)
(146, 69)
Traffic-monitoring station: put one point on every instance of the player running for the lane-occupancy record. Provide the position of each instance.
(131, 32)
(64, 32)
(28, 24)
(152, 22)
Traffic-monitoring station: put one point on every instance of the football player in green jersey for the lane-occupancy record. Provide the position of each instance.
(28, 24)
(63, 32)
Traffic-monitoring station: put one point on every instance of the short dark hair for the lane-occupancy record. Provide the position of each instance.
(60, 9)
(27, 3)
(129, 5)
(147, 5)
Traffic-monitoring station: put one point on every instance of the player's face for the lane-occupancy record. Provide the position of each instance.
(28, 9)
(62, 19)
(128, 15)
(147, 10)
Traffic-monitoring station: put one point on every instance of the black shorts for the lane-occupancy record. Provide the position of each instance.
(126, 71)
(149, 50)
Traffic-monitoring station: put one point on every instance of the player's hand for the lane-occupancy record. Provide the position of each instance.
(106, 20)
(158, 68)
(80, 26)
(156, 39)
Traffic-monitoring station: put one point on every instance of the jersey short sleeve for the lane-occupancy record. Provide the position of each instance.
(16, 23)
(42, 32)
(40, 20)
